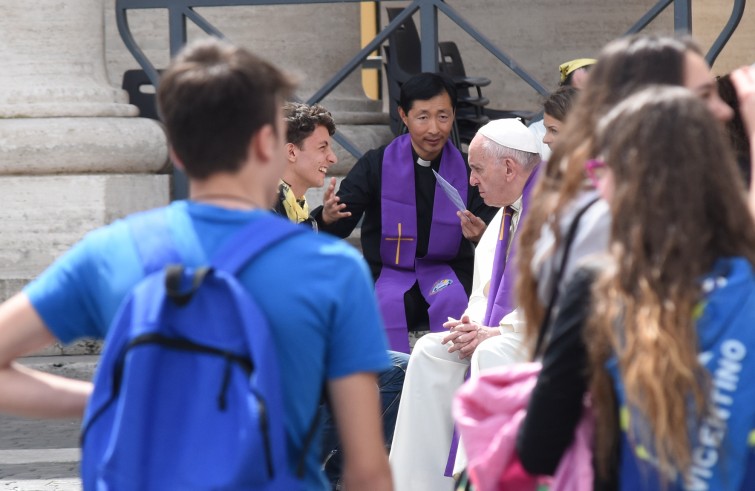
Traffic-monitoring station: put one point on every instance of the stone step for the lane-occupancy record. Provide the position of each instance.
(39, 455)
(80, 367)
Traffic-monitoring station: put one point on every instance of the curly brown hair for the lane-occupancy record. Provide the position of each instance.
(303, 119)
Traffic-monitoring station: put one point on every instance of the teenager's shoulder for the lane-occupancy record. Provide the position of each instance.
(322, 245)
(115, 234)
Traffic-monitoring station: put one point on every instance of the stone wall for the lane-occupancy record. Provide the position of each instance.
(708, 19)
(73, 154)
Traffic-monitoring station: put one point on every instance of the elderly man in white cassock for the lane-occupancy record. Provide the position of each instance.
(504, 162)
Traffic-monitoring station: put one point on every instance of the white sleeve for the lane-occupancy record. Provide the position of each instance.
(513, 321)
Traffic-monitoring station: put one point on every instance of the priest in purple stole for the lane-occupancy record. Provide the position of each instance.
(437, 281)
(504, 166)
(420, 255)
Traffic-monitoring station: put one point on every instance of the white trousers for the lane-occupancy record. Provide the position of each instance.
(424, 425)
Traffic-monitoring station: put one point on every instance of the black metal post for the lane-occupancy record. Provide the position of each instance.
(428, 22)
(683, 16)
(737, 12)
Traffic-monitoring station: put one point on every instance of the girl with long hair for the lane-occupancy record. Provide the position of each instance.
(670, 335)
(624, 66)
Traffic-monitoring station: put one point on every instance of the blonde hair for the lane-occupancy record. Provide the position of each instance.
(678, 206)
(624, 66)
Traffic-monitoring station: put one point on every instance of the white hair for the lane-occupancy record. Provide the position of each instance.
(527, 160)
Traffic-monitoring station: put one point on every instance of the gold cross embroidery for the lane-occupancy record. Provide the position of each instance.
(398, 241)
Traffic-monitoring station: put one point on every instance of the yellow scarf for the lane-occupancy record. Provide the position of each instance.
(296, 210)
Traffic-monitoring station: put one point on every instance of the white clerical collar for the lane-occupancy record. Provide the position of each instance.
(517, 205)
(423, 163)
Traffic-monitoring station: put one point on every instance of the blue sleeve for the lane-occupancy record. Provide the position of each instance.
(358, 342)
(78, 295)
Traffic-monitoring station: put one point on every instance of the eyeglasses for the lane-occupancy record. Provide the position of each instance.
(595, 170)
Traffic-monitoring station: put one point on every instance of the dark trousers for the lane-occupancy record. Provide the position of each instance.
(390, 383)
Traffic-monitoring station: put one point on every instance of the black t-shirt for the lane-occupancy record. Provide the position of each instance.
(555, 407)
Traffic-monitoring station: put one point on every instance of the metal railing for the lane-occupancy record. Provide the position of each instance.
(683, 22)
(179, 11)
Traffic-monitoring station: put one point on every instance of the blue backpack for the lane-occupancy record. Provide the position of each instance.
(187, 394)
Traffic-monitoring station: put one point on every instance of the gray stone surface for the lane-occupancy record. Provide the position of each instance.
(79, 348)
(58, 484)
(44, 215)
(72, 154)
(53, 61)
(104, 145)
(539, 35)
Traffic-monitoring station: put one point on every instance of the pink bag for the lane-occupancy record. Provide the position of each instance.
(488, 411)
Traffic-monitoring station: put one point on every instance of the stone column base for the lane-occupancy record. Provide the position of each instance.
(43, 216)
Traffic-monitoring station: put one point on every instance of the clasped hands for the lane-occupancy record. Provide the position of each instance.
(465, 335)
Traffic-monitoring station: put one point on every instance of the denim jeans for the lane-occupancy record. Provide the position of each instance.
(390, 383)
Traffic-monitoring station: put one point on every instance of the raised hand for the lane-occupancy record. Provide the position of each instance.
(471, 226)
(332, 208)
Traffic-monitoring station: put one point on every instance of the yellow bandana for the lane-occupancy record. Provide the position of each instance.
(296, 210)
(568, 67)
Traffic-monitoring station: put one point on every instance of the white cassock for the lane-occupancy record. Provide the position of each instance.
(424, 425)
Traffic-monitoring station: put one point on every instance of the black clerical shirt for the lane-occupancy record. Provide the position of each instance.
(361, 192)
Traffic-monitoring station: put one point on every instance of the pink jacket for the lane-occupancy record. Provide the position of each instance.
(488, 411)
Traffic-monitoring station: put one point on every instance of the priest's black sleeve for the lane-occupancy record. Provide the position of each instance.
(359, 190)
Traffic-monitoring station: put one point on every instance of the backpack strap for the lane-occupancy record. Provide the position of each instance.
(245, 246)
(558, 274)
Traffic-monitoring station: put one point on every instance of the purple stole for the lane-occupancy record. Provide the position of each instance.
(501, 298)
(398, 244)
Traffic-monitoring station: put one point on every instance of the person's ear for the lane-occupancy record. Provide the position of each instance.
(291, 152)
(403, 116)
(511, 169)
(262, 146)
(176, 161)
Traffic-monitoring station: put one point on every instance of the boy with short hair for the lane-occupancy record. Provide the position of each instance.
(221, 106)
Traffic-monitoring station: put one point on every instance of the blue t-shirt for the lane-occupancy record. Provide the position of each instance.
(314, 290)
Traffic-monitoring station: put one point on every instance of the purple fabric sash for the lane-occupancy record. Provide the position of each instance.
(499, 261)
(398, 246)
(501, 299)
